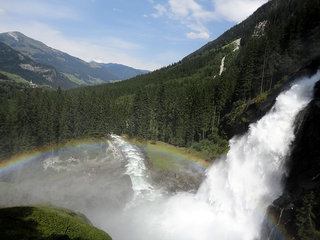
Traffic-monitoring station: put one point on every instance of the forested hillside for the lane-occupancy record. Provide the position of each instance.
(191, 103)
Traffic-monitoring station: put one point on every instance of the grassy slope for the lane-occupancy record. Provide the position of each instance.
(14, 77)
(74, 79)
(42, 221)
(163, 155)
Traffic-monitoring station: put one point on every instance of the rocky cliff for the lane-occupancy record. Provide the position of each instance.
(258, 107)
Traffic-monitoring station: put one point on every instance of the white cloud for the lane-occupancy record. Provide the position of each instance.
(105, 50)
(161, 10)
(198, 31)
(185, 8)
(193, 15)
(193, 35)
(236, 10)
(189, 13)
(2, 11)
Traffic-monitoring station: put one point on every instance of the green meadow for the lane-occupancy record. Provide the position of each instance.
(164, 156)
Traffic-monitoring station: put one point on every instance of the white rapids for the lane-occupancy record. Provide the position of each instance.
(231, 202)
(242, 186)
(135, 167)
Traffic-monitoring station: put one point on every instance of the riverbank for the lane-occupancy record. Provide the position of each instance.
(171, 167)
(163, 154)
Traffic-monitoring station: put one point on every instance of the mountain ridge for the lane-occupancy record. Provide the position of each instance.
(123, 72)
(13, 62)
(77, 70)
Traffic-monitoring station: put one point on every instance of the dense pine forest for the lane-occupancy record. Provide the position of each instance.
(191, 103)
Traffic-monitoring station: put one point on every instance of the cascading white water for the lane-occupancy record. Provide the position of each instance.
(135, 166)
(231, 202)
(241, 187)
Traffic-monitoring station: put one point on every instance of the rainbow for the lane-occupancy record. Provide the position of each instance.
(37, 154)
(41, 153)
(179, 153)
(279, 228)
(173, 151)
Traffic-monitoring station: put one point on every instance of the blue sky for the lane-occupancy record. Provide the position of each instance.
(145, 34)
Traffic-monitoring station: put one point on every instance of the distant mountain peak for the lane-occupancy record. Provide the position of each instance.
(18, 67)
(76, 70)
(14, 35)
(121, 71)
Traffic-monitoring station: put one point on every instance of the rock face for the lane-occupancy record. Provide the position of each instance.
(297, 210)
(256, 110)
(175, 181)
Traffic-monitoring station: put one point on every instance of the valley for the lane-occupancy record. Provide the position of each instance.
(221, 144)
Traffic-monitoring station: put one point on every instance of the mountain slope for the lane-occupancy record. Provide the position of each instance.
(75, 69)
(14, 63)
(121, 71)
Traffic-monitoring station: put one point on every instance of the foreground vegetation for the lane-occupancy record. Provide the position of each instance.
(42, 222)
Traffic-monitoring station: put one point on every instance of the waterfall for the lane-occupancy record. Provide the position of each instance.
(100, 179)
(231, 202)
(135, 166)
(240, 187)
